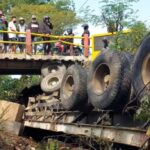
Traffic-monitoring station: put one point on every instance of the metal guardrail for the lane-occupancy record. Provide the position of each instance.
(60, 39)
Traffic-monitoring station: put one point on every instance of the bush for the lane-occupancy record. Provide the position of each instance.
(143, 113)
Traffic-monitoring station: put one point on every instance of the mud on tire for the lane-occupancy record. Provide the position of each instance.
(73, 92)
(109, 81)
(48, 68)
(51, 82)
(141, 69)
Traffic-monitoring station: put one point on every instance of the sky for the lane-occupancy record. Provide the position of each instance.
(142, 6)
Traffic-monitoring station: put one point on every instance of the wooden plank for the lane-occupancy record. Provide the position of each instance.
(11, 111)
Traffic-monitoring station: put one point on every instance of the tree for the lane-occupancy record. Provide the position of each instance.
(62, 12)
(61, 19)
(130, 42)
(10, 88)
(6, 5)
(115, 14)
(118, 15)
(63, 4)
(143, 112)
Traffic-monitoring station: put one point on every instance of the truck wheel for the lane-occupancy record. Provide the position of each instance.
(141, 69)
(48, 68)
(109, 82)
(51, 82)
(129, 57)
(73, 92)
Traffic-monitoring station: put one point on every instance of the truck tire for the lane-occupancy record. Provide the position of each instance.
(141, 69)
(109, 81)
(129, 57)
(48, 68)
(51, 82)
(127, 61)
(73, 92)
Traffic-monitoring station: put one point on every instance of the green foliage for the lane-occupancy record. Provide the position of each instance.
(130, 42)
(143, 113)
(52, 144)
(6, 5)
(118, 15)
(62, 12)
(115, 14)
(10, 88)
(63, 4)
(49, 145)
(61, 19)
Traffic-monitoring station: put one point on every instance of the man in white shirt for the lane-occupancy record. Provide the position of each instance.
(12, 37)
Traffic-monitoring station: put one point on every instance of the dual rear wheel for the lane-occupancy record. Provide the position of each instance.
(106, 85)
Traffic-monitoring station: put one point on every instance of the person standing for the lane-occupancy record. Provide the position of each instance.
(34, 27)
(70, 40)
(22, 27)
(106, 43)
(5, 35)
(2, 28)
(46, 28)
(12, 36)
(85, 31)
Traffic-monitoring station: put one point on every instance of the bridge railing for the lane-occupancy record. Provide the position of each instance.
(53, 39)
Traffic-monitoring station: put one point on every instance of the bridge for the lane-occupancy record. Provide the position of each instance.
(30, 64)
(27, 63)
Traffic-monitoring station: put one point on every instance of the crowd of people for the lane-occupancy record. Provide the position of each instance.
(44, 27)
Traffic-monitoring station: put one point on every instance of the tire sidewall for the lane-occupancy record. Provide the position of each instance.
(45, 86)
(105, 99)
(138, 83)
(47, 68)
(78, 99)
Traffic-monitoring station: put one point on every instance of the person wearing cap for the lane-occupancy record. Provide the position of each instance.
(34, 27)
(21, 27)
(12, 36)
(85, 32)
(46, 28)
(70, 40)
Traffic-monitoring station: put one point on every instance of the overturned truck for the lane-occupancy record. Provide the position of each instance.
(95, 99)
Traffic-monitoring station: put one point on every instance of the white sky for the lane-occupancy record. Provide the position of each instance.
(142, 6)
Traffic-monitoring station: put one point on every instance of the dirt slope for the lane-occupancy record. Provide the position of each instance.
(12, 142)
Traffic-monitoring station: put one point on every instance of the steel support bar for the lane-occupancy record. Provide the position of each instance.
(127, 136)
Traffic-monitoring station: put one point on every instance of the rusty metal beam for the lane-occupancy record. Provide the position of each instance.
(127, 136)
